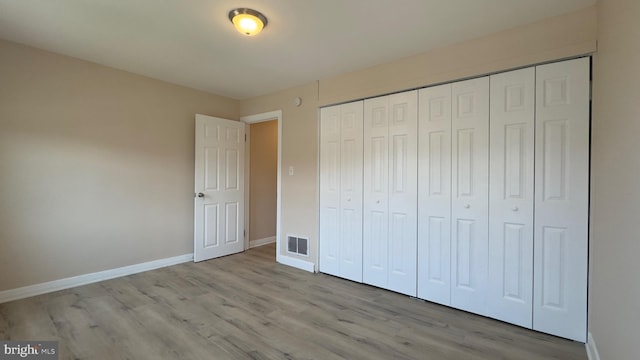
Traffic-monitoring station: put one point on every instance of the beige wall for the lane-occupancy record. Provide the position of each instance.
(263, 179)
(299, 149)
(96, 166)
(552, 39)
(615, 195)
(564, 36)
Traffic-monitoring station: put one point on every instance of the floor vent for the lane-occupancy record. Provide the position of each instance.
(298, 245)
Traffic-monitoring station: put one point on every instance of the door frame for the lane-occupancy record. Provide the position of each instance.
(253, 119)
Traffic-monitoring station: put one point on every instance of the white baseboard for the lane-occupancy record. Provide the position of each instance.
(296, 263)
(51, 286)
(260, 242)
(592, 350)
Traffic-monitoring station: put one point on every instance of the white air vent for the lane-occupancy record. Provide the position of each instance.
(298, 245)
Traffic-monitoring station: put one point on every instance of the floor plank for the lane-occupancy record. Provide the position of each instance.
(245, 306)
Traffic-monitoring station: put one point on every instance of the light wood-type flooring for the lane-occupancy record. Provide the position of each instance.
(246, 306)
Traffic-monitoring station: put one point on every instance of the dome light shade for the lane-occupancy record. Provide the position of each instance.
(248, 22)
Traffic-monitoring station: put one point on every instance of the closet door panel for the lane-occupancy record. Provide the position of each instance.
(562, 199)
(469, 205)
(376, 192)
(341, 190)
(330, 125)
(351, 168)
(434, 194)
(390, 190)
(403, 126)
(511, 200)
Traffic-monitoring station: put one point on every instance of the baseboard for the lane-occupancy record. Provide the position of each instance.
(592, 350)
(296, 263)
(260, 242)
(51, 286)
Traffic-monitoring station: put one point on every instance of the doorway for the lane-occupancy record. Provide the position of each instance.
(263, 185)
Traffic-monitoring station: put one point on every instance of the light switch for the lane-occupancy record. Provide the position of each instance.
(291, 170)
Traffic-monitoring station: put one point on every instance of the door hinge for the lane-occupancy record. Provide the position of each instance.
(590, 90)
(245, 137)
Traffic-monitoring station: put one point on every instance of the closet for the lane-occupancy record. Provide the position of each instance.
(473, 194)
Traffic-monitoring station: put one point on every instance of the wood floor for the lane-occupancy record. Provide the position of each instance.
(246, 306)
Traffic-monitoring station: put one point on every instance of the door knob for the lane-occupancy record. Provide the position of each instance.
(200, 195)
(349, 198)
(467, 206)
(515, 208)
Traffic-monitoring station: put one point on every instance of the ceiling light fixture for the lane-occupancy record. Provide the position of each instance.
(248, 22)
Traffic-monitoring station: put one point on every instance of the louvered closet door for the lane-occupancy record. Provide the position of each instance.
(561, 199)
(470, 188)
(434, 194)
(512, 114)
(341, 162)
(390, 192)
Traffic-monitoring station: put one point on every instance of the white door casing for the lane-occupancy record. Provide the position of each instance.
(390, 192)
(434, 194)
(219, 187)
(470, 188)
(341, 162)
(511, 158)
(561, 199)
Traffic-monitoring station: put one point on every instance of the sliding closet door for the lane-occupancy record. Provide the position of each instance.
(390, 192)
(511, 149)
(434, 194)
(562, 199)
(341, 162)
(470, 188)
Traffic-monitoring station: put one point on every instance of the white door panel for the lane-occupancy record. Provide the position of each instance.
(403, 172)
(561, 200)
(434, 194)
(351, 167)
(219, 183)
(330, 190)
(376, 192)
(341, 190)
(512, 121)
(469, 205)
(390, 190)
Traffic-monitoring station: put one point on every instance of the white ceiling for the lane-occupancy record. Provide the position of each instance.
(192, 42)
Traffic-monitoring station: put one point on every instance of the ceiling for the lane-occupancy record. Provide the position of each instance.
(193, 43)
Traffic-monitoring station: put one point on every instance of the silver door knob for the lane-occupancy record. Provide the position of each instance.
(349, 199)
(515, 208)
(200, 195)
(377, 201)
(467, 206)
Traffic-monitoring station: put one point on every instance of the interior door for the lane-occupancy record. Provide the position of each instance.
(470, 200)
(219, 187)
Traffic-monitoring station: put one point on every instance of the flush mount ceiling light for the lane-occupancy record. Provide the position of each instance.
(248, 22)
